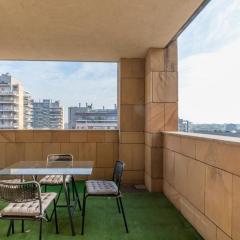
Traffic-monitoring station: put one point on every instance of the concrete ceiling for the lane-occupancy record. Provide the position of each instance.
(89, 29)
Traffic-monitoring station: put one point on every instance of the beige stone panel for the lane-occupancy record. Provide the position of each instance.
(105, 155)
(236, 208)
(188, 147)
(33, 152)
(78, 136)
(42, 136)
(112, 136)
(153, 139)
(70, 148)
(164, 87)
(147, 182)
(115, 152)
(196, 184)
(138, 118)
(7, 136)
(87, 152)
(125, 154)
(15, 152)
(108, 173)
(171, 57)
(207, 151)
(153, 162)
(50, 148)
(154, 117)
(153, 185)
(148, 88)
(155, 60)
(148, 162)
(156, 163)
(229, 158)
(132, 91)
(138, 152)
(181, 174)
(169, 166)
(172, 142)
(222, 235)
(132, 118)
(96, 136)
(218, 198)
(2, 155)
(24, 136)
(133, 177)
(148, 139)
(132, 137)
(171, 194)
(60, 136)
(132, 68)
(171, 117)
(203, 225)
(126, 118)
(98, 173)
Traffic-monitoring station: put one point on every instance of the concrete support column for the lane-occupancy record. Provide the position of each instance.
(161, 109)
(132, 118)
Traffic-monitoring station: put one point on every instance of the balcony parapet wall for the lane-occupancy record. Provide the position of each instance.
(202, 179)
(99, 146)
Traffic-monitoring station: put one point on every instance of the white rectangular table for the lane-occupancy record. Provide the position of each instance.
(40, 168)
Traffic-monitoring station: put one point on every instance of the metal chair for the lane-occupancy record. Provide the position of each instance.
(97, 188)
(60, 160)
(26, 202)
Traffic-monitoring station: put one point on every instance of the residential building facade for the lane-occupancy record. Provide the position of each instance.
(47, 114)
(88, 118)
(11, 103)
(28, 111)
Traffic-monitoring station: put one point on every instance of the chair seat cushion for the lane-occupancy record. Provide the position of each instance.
(54, 179)
(95, 187)
(29, 209)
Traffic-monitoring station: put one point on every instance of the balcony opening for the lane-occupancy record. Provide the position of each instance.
(58, 95)
(209, 74)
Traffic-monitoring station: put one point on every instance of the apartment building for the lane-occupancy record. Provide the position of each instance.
(88, 118)
(28, 111)
(11, 103)
(47, 114)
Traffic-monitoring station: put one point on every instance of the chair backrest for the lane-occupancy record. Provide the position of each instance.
(20, 192)
(118, 172)
(60, 159)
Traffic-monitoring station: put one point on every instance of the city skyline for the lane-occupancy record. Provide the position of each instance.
(92, 82)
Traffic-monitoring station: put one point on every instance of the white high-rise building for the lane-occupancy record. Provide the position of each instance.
(11, 103)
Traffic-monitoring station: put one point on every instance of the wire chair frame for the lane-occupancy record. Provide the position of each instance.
(58, 159)
(21, 192)
(117, 178)
(117, 173)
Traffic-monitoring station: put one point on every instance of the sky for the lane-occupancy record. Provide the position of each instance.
(70, 82)
(209, 65)
(209, 71)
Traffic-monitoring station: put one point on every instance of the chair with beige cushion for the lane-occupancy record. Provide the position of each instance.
(60, 160)
(25, 202)
(103, 188)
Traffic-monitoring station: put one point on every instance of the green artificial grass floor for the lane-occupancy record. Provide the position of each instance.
(150, 216)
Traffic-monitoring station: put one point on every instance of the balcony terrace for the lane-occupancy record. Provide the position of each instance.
(192, 181)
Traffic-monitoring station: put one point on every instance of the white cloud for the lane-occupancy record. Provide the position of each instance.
(209, 86)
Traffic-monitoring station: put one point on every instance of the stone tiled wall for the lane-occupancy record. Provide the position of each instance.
(161, 97)
(202, 179)
(132, 116)
(102, 147)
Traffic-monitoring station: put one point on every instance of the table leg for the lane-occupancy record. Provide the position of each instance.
(68, 205)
